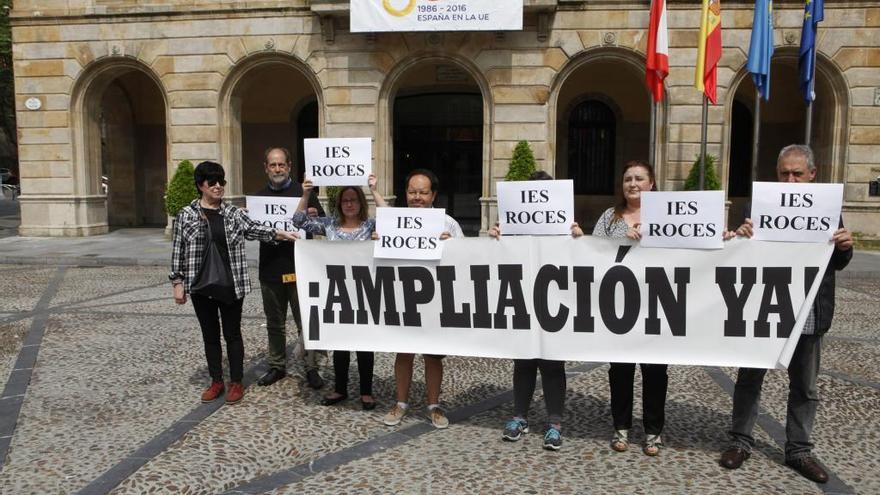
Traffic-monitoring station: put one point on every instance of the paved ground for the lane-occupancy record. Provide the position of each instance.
(102, 374)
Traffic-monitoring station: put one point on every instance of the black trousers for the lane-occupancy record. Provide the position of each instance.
(525, 372)
(654, 383)
(210, 313)
(341, 360)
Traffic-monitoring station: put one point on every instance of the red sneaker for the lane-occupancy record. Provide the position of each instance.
(211, 393)
(236, 392)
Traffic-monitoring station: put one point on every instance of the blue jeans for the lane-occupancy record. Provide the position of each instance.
(803, 400)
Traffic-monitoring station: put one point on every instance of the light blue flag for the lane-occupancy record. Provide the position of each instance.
(761, 46)
(814, 13)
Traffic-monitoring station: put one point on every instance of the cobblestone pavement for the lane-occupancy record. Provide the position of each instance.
(102, 376)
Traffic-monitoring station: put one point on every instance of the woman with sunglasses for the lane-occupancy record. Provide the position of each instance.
(350, 223)
(204, 224)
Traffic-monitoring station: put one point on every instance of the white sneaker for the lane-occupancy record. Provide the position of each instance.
(395, 415)
(438, 418)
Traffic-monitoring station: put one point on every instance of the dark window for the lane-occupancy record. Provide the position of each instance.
(306, 127)
(739, 181)
(591, 148)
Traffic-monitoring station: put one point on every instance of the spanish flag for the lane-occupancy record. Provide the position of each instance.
(708, 48)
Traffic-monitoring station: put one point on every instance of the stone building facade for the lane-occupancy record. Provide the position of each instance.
(129, 88)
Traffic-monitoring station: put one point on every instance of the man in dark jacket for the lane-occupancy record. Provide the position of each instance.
(278, 275)
(795, 164)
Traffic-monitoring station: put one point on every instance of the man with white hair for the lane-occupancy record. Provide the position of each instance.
(795, 164)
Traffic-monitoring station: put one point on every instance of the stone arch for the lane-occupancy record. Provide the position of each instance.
(230, 118)
(139, 185)
(385, 139)
(785, 109)
(574, 83)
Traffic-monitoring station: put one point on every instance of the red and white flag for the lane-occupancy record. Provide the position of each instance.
(657, 58)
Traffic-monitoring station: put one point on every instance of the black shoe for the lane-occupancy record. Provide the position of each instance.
(271, 376)
(329, 401)
(368, 406)
(809, 469)
(314, 379)
(733, 457)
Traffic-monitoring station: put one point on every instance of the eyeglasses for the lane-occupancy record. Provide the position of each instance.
(213, 182)
(349, 201)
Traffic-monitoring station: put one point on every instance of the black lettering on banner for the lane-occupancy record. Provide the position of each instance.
(547, 274)
(776, 280)
(409, 275)
(480, 278)
(448, 316)
(583, 281)
(810, 273)
(725, 279)
(337, 293)
(511, 283)
(674, 306)
(373, 292)
(632, 299)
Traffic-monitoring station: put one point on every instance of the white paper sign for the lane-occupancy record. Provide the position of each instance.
(538, 207)
(338, 161)
(432, 15)
(554, 297)
(682, 219)
(409, 233)
(796, 211)
(274, 211)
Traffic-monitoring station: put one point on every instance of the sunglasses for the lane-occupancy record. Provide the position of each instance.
(214, 181)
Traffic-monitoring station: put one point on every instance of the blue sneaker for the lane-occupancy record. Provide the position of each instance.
(514, 429)
(552, 438)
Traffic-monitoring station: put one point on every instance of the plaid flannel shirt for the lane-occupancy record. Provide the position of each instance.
(190, 241)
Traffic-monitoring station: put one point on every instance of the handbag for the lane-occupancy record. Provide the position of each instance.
(214, 279)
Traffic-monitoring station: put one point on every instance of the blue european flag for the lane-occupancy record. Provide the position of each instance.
(761, 46)
(814, 12)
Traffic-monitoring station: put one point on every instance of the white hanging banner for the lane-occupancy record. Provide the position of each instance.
(537, 207)
(555, 297)
(796, 211)
(373, 16)
(409, 233)
(338, 161)
(682, 219)
(274, 211)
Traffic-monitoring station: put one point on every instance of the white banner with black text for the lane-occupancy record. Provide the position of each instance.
(586, 299)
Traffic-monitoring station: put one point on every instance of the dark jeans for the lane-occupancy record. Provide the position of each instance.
(276, 298)
(803, 400)
(210, 313)
(525, 372)
(654, 383)
(341, 360)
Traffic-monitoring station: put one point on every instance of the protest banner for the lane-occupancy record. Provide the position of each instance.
(274, 211)
(409, 233)
(338, 161)
(537, 207)
(796, 211)
(374, 16)
(682, 219)
(585, 299)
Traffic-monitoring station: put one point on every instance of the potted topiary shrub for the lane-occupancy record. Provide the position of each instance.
(522, 163)
(181, 190)
(692, 183)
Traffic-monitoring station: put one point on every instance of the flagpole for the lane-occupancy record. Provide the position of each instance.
(808, 128)
(652, 133)
(703, 138)
(756, 134)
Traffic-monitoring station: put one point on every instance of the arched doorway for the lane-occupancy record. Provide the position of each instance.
(123, 146)
(267, 102)
(783, 120)
(437, 112)
(602, 121)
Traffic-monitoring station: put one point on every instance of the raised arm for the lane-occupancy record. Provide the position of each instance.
(377, 197)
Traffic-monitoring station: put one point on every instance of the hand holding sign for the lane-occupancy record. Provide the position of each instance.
(338, 161)
(410, 233)
(274, 211)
